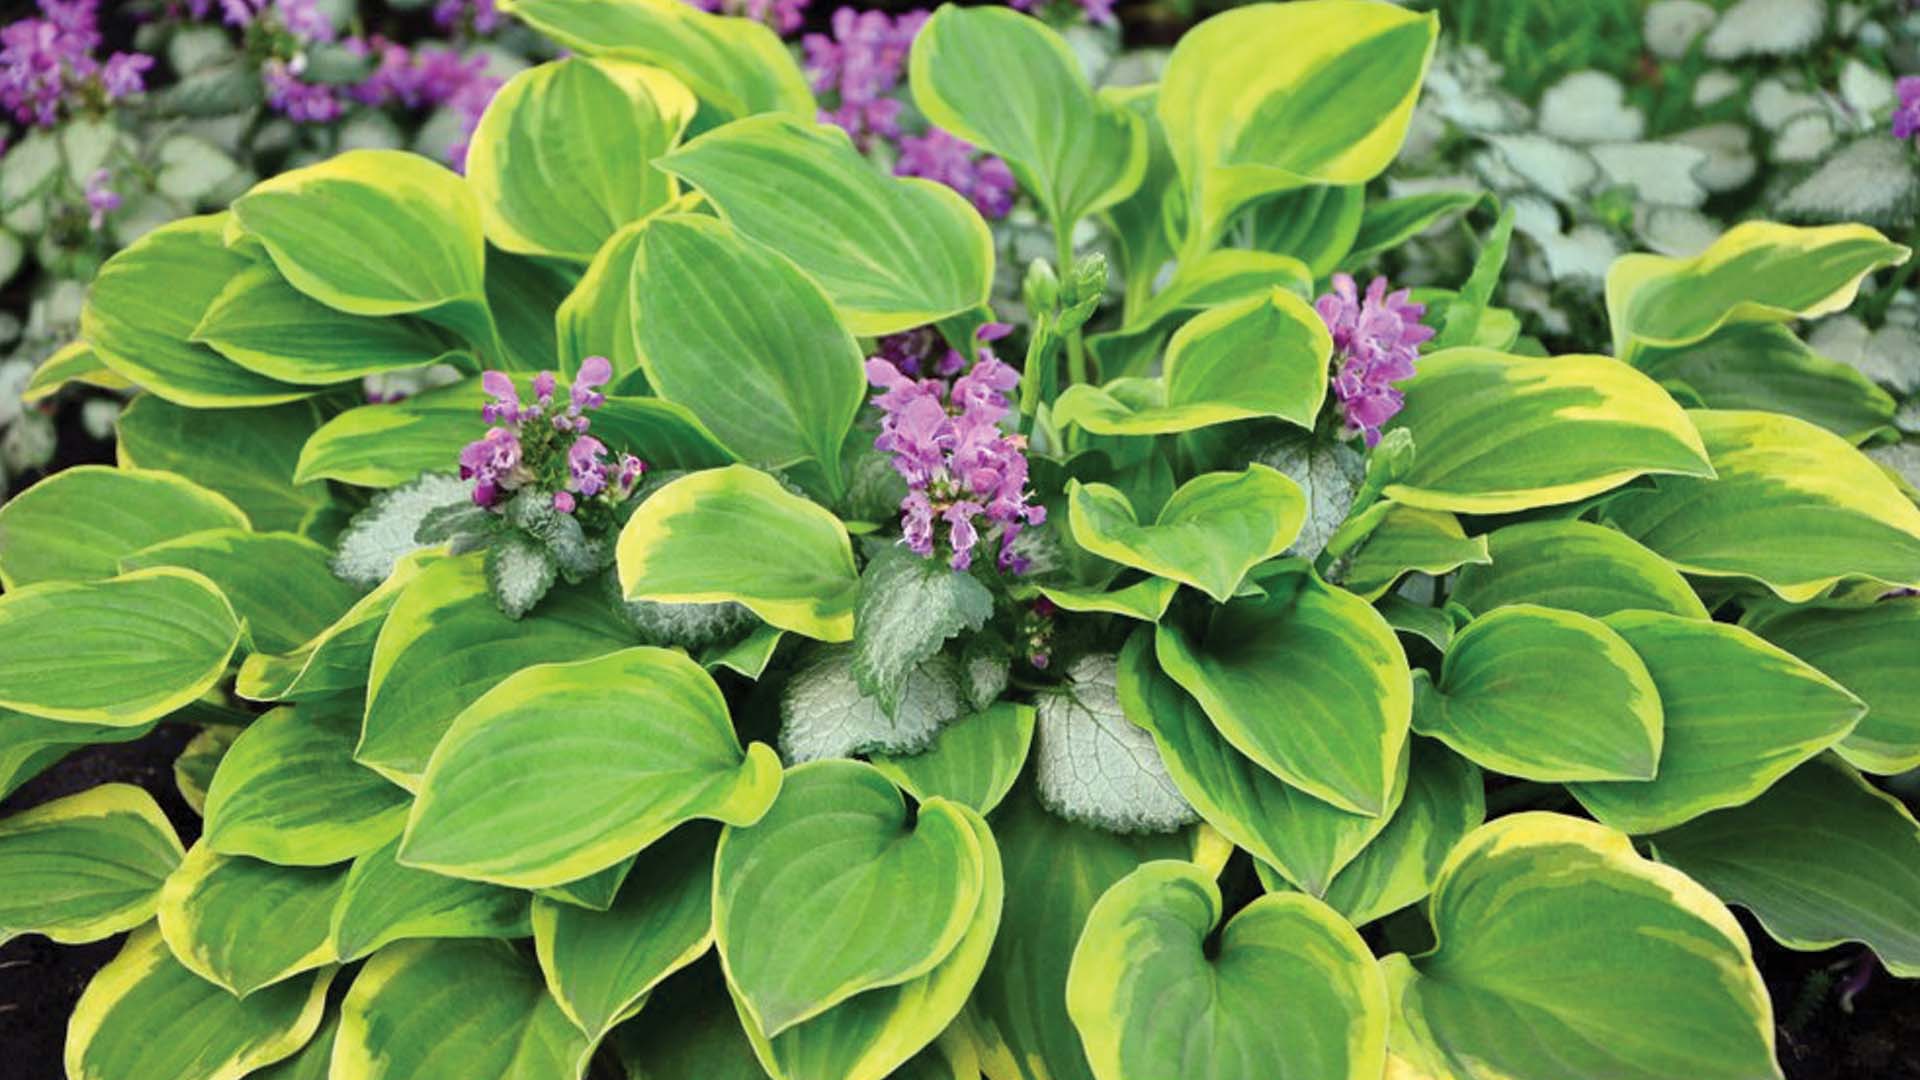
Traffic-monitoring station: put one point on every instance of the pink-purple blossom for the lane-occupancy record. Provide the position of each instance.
(544, 444)
(960, 467)
(1906, 115)
(425, 78)
(859, 65)
(47, 66)
(983, 179)
(784, 16)
(1376, 342)
(1098, 12)
(101, 199)
(479, 16)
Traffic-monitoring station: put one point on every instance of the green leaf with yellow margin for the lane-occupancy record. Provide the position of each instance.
(339, 656)
(209, 1033)
(265, 325)
(288, 791)
(1220, 278)
(1738, 715)
(30, 745)
(243, 924)
(973, 761)
(1764, 366)
(735, 534)
(564, 155)
(248, 455)
(625, 747)
(279, 583)
(77, 362)
(1214, 529)
(1545, 694)
(1563, 953)
(1445, 800)
(1288, 989)
(892, 253)
(1562, 428)
(119, 652)
(383, 902)
(1146, 599)
(1409, 538)
(1794, 507)
(833, 893)
(79, 523)
(1874, 652)
(85, 867)
(1577, 566)
(1274, 97)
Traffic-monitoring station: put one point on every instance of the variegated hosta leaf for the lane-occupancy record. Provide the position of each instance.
(1094, 765)
(1445, 800)
(383, 901)
(1304, 839)
(1792, 506)
(1577, 566)
(1756, 272)
(193, 769)
(84, 867)
(1764, 366)
(1410, 539)
(825, 714)
(1209, 534)
(1269, 98)
(563, 156)
(1563, 428)
(1738, 714)
(1821, 858)
(891, 253)
(288, 791)
(1533, 904)
(29, 745)
(626, 746)
(338, 656)
(278, 583)
(384, 532)
(973, 761)
(1289, 985)
(209, 1031)
(78, 525)
(832, 893)
(1875, 653)
(244, 924)
(1545, 694)
(1222, 277)
(245, 454)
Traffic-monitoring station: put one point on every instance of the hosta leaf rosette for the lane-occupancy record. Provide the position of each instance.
(1562, 953)
(85, 867)
(1289, 986)
(625, 747)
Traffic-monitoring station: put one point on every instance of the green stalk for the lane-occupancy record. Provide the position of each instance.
(1076, 349)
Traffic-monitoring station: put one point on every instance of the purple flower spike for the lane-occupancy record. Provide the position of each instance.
(505, 406)
(1376, 343)
(1906, 115)
(595, 372)
(101, 199)
(543, 386)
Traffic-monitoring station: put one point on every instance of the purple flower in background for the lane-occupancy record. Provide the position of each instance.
(984, 179)
(1906, 115)
(47, 66)
(1375, 344)
(1099, 12)
(505, 406)
(860, 63)
(299, 101)
(783, 15)
(478, 15)
(101, 199)
(428, 77)
(586, 465)
(959, 465)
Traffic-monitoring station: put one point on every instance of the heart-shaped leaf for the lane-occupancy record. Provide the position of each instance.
(1213, 530)
(86, 866)
(1093, 766)
(833, 893)
(267, 326)
(1575, 565)
(78, 524)
(1290, 987)
(279, 583)
(1219, 279)
(337, 658)
(244, 924)
(383, 901)
(288, 791)
(247, 455)
(973, 761)
(909, 606)
(1445, 800)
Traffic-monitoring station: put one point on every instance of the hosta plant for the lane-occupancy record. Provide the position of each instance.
(768, 661)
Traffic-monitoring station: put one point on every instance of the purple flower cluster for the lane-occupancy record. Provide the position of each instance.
(47, 67)
(860, 64)
(1375, 343)
(1906, 115)
(784, 16)
(546, 445)
(101, 199)
(302, 19)
(1098, 12)
(454, 16)
(946, 442)
(428, 77)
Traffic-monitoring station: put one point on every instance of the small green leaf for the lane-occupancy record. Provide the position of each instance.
(1213, 530)
(1388, 223)
(909, 606)
(1407, 539)
(1146, 599)
(85, 867)
(825, 714)
(30, 745)
(1316, 224)
(519, 573)
(973, 761)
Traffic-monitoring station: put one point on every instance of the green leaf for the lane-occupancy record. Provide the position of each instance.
(825, 714)
(1764, 366)
(596, 318)
(1562, 953)
(74, 362)
(383, 902)
(378, 232)
(1794, 507)
(740, 336)
(1272, 98)
(248, 455)
(1739, 714)
(78, 524)
(195, 765)
(1305, 839)
(1566, 427)
(1467, 310)
(1289, 986)
(267, 326)
(338, 657)
(564, 155)
(601, 965)
(1146, 599)
(1213, 530)
(208, 1031)
(523, 292)
(735, 534)
(1409, 538)
(1388, 223)
(243, 924)
(1008, 84)
(84, 867)
(797, 895)
(687, 1029)
(623, 748)
(445, 643)
(396, 1023)
(748, 656)
(1445, 800)
(1871, 652)
(892, 254)
(277, 582)
(119, 652)
(1757, 272)
(973, 761)
(288, 791)
(908, 607)
(30, 745)
(1093, 766)
(1577, 566)
(738, 66)
(1264, 355)
(1331, 473)
(1334, 728)
(142, 309)
(1220, 278)
(311, 1062)
(1547, 695)
(1821, 859)
(1316, 225)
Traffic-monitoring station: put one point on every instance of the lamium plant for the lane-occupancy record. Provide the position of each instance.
(771, 658)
